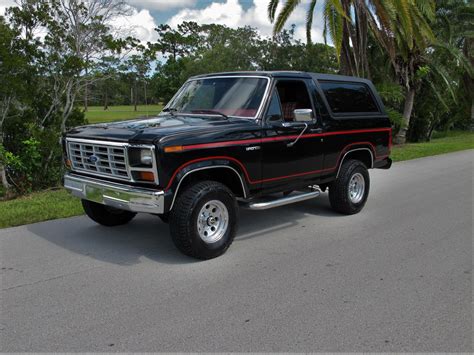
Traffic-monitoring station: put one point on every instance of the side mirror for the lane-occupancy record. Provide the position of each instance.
(303, 114)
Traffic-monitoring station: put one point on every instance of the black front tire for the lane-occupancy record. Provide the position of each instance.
(165, 217)
(185, 215)
(105, 215)
(339, 194)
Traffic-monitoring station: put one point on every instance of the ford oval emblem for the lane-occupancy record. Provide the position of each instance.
(93, 159)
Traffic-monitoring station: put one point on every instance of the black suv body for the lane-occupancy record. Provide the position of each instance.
(261, 139)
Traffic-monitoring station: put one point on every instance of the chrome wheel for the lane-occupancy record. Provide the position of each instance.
(213, 220)
(356, 188)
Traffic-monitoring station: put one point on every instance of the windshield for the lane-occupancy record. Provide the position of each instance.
(232, 96)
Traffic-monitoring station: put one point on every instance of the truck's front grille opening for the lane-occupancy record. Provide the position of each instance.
(99, 159)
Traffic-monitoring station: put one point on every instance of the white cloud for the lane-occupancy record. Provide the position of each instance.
(161, 4)
(4, 4)
(232, 14)
(139, 24)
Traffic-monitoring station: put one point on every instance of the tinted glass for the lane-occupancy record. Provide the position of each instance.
(231, 96)
(274, 110)
(348, 97)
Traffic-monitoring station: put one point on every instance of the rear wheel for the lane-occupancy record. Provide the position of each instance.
(203, 221)
(348, 193)
(105, 215)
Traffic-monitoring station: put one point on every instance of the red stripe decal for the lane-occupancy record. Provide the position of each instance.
(247, 177)
(282, 138)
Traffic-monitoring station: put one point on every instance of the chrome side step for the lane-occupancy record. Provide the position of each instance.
(283, 201)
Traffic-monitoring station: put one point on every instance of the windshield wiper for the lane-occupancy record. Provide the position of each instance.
(171, 110)
(211, 112)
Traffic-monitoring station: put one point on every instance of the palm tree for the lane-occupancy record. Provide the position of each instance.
(345, 21)
(401, 28)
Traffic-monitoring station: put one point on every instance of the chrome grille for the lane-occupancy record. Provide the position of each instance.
(99, 159)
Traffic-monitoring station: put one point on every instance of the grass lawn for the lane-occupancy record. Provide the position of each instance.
(39, 206)
(447, 143)
(97, 114)
(52, 204)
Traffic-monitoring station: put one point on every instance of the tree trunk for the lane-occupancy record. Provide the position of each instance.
(5, 107)
(347, 67)
(135, 96)
(3, 177)
(86, 88)
(472, 115)
(106, 99)
(86, 93)
(3, 173)
(146, 101)
(407, 109)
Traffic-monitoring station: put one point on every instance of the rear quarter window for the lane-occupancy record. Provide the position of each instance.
(344, 97)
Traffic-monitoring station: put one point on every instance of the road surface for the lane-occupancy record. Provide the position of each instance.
(396, 277)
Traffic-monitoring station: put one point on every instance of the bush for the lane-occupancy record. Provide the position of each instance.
(31, 154)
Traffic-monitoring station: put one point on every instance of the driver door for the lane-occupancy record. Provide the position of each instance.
(292, 154)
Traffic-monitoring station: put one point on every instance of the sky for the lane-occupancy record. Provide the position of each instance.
(145, 15)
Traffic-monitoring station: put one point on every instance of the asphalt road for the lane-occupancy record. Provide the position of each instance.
(396, 277)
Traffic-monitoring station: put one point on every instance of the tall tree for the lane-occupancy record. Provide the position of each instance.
(346, 22)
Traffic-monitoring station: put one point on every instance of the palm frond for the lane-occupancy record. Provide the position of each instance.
(442, 73)
(309, 20)
(404, 19)
(272, 7)
(437, 94)
(285, 13)
(333, 25)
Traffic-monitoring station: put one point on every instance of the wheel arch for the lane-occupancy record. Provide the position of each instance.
(220, 171)
(365, 154)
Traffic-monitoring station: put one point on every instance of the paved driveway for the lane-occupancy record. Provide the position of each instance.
(396, 277)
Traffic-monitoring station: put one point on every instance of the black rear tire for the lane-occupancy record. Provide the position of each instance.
(188, 212)
(339, 190)
(105, 215)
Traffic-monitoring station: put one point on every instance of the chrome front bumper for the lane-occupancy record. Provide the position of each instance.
(111, 194)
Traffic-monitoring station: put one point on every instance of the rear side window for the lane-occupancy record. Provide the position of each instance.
(348, 97)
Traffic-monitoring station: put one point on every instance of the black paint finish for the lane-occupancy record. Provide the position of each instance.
(258, 149)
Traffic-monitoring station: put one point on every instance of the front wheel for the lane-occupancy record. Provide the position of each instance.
(105, 215)
(348, 193)
(203, 221)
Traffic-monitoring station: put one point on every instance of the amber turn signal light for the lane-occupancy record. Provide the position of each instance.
(146, 176)
(176, 148)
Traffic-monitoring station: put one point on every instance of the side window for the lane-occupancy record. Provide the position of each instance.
(274, 109)
(348, 97)
(293, 95)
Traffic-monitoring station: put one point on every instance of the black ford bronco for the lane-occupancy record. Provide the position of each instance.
(258, 139)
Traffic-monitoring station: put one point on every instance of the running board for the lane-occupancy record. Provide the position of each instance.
(283, 201)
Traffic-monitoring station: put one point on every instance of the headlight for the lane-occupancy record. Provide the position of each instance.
(146, 158)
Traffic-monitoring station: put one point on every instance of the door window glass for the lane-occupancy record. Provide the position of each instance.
(274, 109)
(293, 95)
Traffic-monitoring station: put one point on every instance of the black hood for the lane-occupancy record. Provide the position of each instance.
(154, 129)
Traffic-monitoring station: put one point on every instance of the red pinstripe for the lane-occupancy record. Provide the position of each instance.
(282, 138)
(253, 182)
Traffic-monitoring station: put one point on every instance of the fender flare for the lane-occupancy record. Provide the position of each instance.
(366, 148)
(192, 167)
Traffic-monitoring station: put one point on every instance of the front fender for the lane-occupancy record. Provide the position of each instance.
(234, 165)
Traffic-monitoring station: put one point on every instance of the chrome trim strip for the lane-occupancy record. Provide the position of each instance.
(204, 168)
(93, 141)
(283, 201)
(126, 146)
(260, 108)
(115, 195)
(353, 150)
